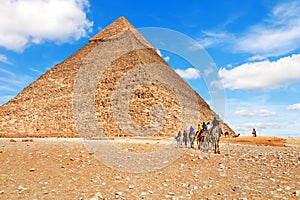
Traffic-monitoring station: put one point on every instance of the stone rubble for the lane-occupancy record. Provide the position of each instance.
(248, 170)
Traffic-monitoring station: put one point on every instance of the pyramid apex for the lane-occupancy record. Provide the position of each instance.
(118, 26)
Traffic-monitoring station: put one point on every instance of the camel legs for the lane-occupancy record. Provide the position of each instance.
(216, 148)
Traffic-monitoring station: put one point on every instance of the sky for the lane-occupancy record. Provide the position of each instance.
(255, 45)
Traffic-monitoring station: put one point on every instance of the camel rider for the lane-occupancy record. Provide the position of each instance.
(215, 122)
(192, 129)
(178, 135)
(191, 136)
(199, 128)
(208, 125)
(204, 126)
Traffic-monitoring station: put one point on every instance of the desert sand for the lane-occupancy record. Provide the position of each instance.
(63, 168)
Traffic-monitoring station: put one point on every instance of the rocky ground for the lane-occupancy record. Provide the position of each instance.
(247, 168)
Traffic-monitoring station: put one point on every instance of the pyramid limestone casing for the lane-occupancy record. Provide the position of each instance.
(46, 107)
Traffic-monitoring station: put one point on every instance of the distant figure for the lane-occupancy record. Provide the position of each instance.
(254, 132)
(208, 125)
(185, 138)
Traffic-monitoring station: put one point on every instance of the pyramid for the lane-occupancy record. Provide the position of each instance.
(116, 84)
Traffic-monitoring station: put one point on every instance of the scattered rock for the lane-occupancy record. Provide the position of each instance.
(130, 186)
(297, 193)
(143, 194)
(127, 179)
(222, 174)
(99, 195)
(45, 192)
(221, 166)
(12, 140)
(119, 193)
(32, 169)
(272, 179)
(22, 188)
(150, 192)
(27, 140)
(1, 191)
(235, 188)
(171, 193)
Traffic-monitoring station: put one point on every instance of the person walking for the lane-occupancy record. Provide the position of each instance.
(185, 138)
(254, 132)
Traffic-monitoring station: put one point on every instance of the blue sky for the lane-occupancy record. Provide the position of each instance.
(254, 44)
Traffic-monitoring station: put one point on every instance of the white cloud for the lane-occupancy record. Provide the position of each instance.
(4, 99)
(277, 35)
(36, 71)
(166, 58)
(256, 58)
(158, 52)
(262, 75)
(229, 65)
(247, 127)
(12, 82)
(248, 113)
(294, 106)
(211, 39)
(35, 21)
(208, 71)
(8, 73)
(4, 59)
(189, 73)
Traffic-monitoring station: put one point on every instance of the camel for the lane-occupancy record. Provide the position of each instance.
(237, 135)
(209, 139)
(192, 137)
(179, 141)
(200, 138)
(185, 138)
(178, 138)
(215, 133)
(226, 134)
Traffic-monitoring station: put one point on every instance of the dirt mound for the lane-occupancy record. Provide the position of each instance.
(260, 140)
